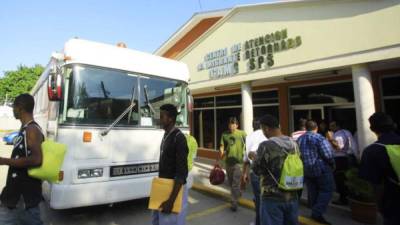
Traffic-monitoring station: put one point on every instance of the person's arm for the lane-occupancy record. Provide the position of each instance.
(221, 148)
(34, 140)
(326, 152)
(180, 174)
(326, 149)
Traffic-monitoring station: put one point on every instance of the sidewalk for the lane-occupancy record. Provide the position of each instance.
(201, 171)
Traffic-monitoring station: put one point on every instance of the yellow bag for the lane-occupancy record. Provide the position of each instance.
(53, 156)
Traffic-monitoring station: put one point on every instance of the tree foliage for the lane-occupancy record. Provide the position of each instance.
(19, 81)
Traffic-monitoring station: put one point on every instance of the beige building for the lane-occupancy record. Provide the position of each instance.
(326, 60)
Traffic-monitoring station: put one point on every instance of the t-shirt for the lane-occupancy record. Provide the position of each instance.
(234, 146)
(376, 168)
(346, 143)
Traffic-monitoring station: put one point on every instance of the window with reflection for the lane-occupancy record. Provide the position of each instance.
(97, 96)
(391, 98)
(322, 94)
(155, 92)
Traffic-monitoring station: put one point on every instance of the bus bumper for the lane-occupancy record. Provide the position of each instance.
(64, 196)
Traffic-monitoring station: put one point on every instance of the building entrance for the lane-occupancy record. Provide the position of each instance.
(345, 114)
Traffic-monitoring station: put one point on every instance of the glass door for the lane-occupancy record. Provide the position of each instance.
(346, 115)
(305, 112)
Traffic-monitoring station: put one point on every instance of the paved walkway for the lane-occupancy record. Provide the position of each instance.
(201, 171)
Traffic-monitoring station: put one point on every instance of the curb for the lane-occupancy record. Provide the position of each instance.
(243, 201)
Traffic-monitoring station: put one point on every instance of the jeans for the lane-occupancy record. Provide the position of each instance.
(159, 218)
(234, 173)
(279, 212)
(255, 184)
(20, 216)
(319, 192)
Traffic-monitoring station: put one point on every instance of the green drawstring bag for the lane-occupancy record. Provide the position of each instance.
(53, 157)
(292, 173)
(393, 152)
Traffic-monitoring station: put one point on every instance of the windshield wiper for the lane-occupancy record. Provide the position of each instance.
(132, 102)
(146, 95)
(129, 109)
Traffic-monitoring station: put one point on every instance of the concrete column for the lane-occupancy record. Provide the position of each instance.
(364, 102)
(247, 108)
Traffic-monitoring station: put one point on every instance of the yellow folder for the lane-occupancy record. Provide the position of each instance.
(161, 189)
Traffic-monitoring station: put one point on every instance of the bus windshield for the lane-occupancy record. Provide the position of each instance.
(96, 96)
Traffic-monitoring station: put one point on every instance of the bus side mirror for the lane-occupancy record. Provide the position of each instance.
(54, 87)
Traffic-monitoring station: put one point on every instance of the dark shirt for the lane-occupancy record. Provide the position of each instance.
(19, 183)
(376, 168)
(173, 156)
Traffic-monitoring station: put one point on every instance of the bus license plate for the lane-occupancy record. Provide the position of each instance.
(133, 169)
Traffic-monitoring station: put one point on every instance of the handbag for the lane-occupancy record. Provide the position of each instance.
(217, 175)
(52, 159)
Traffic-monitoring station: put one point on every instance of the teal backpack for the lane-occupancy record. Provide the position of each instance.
(292, 172)
(393, 152)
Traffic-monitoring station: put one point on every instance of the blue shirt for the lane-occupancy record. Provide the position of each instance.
(316, 153)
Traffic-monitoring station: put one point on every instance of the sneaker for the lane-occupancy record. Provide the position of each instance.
(320, 219)
(234, 208)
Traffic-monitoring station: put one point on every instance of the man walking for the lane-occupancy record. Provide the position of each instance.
(317, 156)
(22, 194)
(173, 165)
(380, 165)
(233, 148)
(343, 144)
(278, 206)
(253, 140)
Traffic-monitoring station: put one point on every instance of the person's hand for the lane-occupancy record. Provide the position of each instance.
(166, 207)
(252, 155)
(217, 163)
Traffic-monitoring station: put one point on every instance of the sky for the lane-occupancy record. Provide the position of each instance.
(31, 30)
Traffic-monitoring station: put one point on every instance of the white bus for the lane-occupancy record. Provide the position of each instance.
(103, 101)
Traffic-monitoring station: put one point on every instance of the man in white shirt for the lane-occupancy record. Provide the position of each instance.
(252, 142)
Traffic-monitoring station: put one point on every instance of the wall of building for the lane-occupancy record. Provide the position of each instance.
(326, 29)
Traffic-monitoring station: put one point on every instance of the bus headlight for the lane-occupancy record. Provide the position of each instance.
(90, 173)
